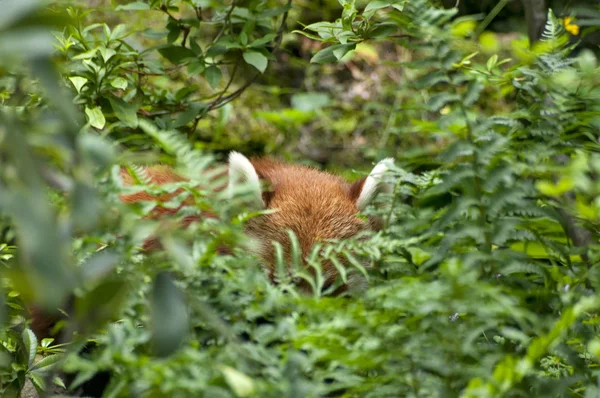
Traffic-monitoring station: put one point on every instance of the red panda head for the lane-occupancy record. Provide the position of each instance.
(315, 205)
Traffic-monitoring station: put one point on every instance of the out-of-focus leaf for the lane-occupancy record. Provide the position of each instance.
(240, 383)
(85, 207)
(96, 149)
(100, 305)
(24, 43)
(119, 82)
(169, 316)
(135, 6)
(310, 101)
(13, 10)
(189, 115)
(95, 117)
(42, 254)
(125, 112)
(46, 72)
(99, 266)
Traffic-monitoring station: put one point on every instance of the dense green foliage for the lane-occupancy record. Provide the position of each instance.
(483, 283)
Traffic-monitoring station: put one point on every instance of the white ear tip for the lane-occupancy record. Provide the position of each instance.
(374, 183)
(381, 168)
(238, 160)
(242, 170)
(388, 161)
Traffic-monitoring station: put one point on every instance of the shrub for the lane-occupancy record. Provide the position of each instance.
(483, 281)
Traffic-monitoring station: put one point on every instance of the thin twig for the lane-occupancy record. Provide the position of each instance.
(216, 100)
(186, 32)
(227, 17)
(165, 10)
(167, 70)
(490, 17)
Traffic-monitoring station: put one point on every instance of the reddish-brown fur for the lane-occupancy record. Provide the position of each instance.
(315, 205)
(158, 175)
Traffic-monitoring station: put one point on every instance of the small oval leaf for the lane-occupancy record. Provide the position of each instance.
(256, 59)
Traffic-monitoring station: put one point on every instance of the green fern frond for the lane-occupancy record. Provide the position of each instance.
(553, 27)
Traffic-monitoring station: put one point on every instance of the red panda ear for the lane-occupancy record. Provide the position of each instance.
(241, 171)
(363, 191)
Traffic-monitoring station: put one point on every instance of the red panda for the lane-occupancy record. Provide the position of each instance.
(314, 204)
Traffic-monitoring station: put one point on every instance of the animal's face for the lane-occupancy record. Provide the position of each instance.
(315, 205)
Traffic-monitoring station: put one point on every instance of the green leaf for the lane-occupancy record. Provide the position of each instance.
(96, 149)
(106, 53)
(174, 32)
(95, 117)
(47, 363)
(127, 113)
(382, 30)
(37, 380)
(176, 54)
(339, 52)
(82, 377)
(87, 55)
(85, 205)
(78, 82)
(29, 346)
(563, 186)
(59, 382)
(169, 316)
(119, 82)
(243, 38)
(213, 75)
(274, 12)
(332, 53)
(99, 266)
(263, 40)
(100, 304)
(377, 5)
(196, 67)
(189, 115)
(348, 14)
(256, 59)
(195, 47)
(215, 50)
(240, 383)
(491, 63)
(114, 388)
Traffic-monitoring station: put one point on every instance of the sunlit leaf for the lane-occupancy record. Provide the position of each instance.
(95, 117)
(256, 59)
